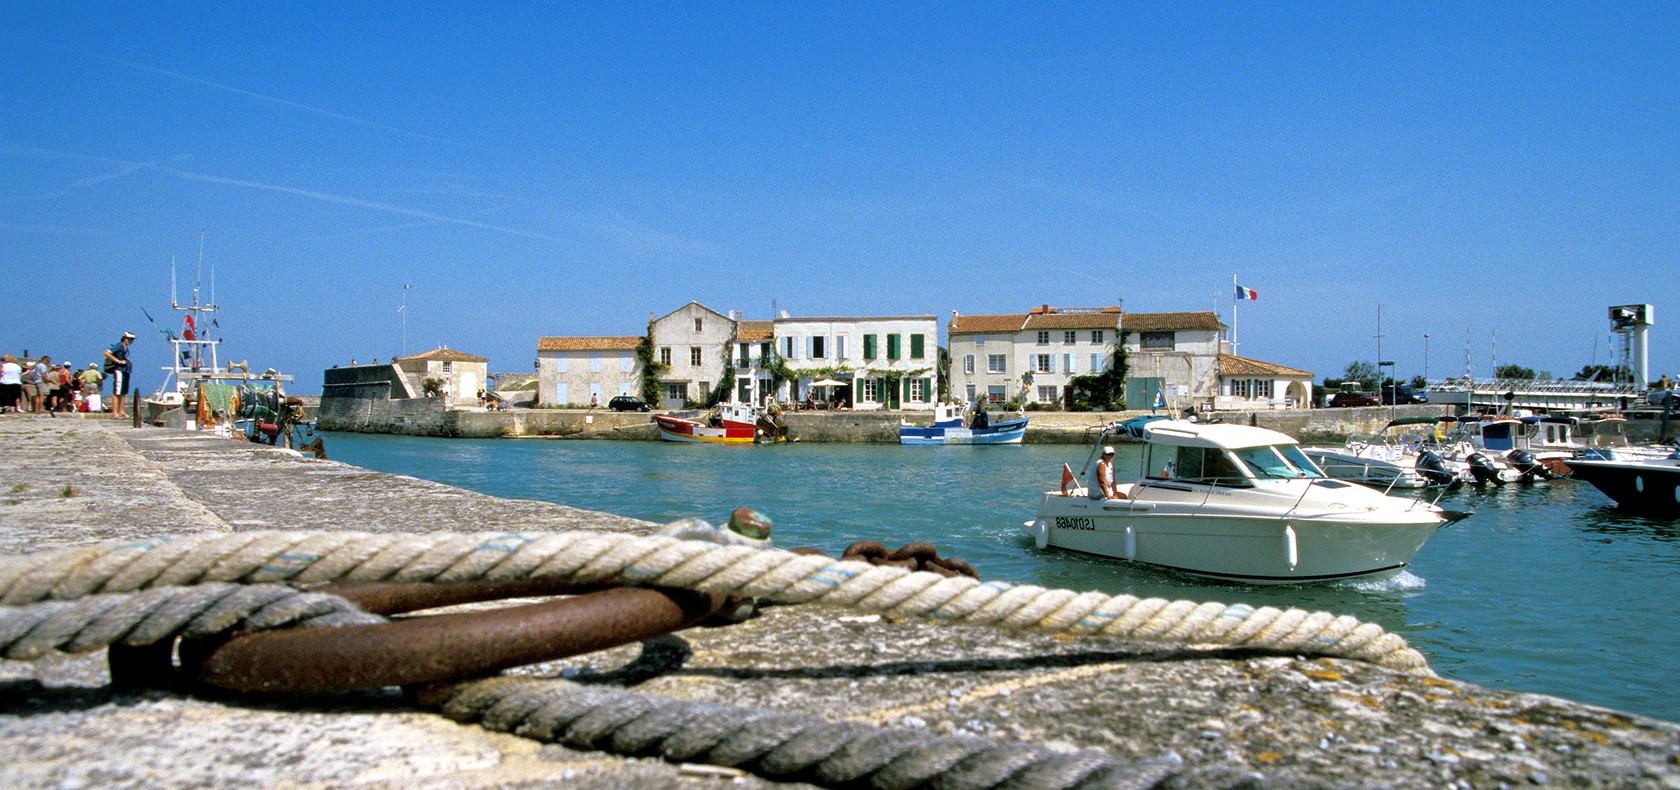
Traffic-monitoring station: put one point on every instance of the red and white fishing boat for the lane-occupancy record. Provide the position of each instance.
(729, 423)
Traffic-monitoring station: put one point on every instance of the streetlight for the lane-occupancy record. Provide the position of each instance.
(1426, 359)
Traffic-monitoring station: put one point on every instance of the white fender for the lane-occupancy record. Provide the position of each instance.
(1131, 542)
(1041, 533)
(1290, 547)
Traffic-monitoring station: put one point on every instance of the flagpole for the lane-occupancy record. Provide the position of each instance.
(1234, 301)
(404, 311)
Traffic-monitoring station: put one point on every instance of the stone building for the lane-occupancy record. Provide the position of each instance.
(579, 371)
(694, 342)
(463, 375)
(1029, 357)
(755, 351)
(865, 362)
(1251, 384)
(1176, 355)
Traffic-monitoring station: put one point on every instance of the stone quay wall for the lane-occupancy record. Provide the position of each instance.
(1204, 717)
(367, 405)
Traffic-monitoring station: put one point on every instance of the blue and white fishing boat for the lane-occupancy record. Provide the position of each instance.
(950, 427)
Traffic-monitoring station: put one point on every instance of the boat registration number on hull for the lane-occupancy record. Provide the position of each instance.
(1076, 522)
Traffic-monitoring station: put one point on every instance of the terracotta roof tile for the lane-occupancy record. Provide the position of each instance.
(597, 343)
(1073, 321)
(445, 355)
(1150, 322)
(755, 330)
(988, 323)
(1233, 365)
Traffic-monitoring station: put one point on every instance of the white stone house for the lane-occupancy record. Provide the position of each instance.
(1029, 357)
(1249, 384)
(755, 351)
(693, 341)
(463, 375)
(1176, 355)
(880, 362)
(578, 371)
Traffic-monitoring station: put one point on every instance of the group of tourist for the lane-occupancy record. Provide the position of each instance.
(41, 385)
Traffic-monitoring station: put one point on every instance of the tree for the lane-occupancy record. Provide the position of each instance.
(1418, 383)
(1105, 390)
(1513, 372)
(1605, 373)
(1363, 372)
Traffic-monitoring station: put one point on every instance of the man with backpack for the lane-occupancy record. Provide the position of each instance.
(118, 366)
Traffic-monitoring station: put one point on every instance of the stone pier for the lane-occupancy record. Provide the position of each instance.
(1218, 718)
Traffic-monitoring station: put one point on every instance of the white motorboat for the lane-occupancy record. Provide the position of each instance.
(1241, 504)
(1387, 460)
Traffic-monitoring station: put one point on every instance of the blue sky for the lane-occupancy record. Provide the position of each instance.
(1495, 175)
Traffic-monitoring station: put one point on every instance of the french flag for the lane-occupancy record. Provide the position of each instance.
(1247, 294)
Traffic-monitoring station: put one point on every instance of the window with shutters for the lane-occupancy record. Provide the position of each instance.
(918, 348)
(1156, 341)
(869, 346)
(995, 363)
(893, 342)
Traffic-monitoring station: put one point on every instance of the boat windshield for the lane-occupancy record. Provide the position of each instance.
(1277, 462)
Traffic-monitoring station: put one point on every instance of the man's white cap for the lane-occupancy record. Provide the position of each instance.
(1108, 449)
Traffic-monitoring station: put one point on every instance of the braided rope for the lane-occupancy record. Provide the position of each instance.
(304, 557)
(141, 618)
(778, 745)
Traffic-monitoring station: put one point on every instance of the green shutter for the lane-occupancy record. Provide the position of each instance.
(916, 347)
(892, 346)
(868, 346)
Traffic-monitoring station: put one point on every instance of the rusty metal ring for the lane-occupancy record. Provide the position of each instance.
(429, 648)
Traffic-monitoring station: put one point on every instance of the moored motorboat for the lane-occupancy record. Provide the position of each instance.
(729, 423)
(1241, 504)
(1650, 485)
(950, 427)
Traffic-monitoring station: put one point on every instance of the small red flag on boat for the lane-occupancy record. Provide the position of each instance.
(1067, 478)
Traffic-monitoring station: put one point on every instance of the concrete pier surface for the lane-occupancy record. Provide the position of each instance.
(1215, 718)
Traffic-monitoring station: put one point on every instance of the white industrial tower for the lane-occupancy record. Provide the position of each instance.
(1632, 321)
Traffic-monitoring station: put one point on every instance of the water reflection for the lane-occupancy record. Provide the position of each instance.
(1615, 522)
(1544, 589)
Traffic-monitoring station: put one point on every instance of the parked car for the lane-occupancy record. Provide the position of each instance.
(1402, 394)
(1342, 399)
(628, 403)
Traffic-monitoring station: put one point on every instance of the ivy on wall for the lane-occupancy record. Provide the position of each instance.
(652, 369)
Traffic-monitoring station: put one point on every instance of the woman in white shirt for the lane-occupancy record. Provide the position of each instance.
(11, 383)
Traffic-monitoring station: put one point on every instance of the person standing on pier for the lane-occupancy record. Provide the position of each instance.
(117, 364)
(11, 384)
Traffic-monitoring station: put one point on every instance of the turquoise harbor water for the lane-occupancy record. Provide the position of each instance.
(1546, 588)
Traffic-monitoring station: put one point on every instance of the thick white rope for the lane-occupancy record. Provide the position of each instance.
(307, 558)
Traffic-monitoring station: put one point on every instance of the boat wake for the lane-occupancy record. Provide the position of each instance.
(1399, 582)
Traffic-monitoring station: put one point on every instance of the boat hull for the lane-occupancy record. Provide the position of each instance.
(1237, 545)
(1010, 432)
(1651, 487)
(676, 429)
